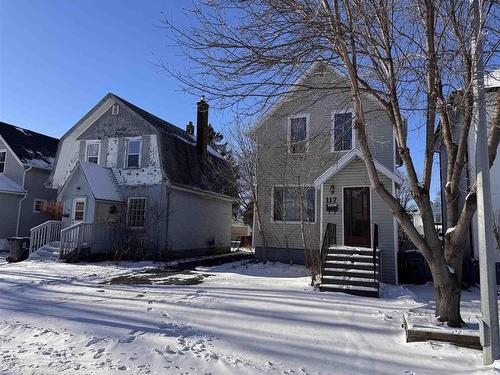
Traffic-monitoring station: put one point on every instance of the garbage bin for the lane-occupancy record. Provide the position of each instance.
(19, 248)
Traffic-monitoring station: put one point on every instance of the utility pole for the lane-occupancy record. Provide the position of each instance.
(489, 306)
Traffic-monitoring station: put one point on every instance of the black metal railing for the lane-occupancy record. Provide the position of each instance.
(374, 248)
(329, 238)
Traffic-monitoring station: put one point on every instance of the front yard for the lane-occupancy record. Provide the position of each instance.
(234, 318)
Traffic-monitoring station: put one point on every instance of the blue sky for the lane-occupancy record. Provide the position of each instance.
(58, 58)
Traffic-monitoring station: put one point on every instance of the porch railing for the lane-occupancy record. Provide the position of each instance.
(74, 238)
(376, 265)
(44, 234)
(329, 239)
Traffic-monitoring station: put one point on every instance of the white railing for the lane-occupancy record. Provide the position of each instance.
(44, 234)
(75, 237)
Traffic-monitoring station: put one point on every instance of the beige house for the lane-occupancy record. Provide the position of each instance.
(311, 175)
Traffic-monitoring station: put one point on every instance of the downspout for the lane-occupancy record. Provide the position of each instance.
(22, 200)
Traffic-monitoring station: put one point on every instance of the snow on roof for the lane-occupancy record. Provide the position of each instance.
(102, 182)
(9, 186)
(492, 79)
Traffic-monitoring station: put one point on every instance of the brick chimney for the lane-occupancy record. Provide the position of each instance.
(202, 128)
(190, 128)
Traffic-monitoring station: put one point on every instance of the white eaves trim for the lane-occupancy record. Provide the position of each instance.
(346, 159)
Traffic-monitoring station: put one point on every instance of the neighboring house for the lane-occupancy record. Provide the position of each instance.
(492, 86)
(26, 158)
(309, 163)
(239, 229)
(135, 185)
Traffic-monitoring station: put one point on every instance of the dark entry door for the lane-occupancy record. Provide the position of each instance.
(357, 216)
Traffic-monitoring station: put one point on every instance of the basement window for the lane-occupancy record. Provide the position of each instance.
(115, 109)
(136, 212)
(3, 156)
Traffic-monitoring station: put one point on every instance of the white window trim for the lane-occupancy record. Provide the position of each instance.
(34, 204)
(294, 221)
(95, 142)
(332, 129)
(5, 161)
(289, 133)
(127, 140)
(117, 106)
(128, 212)
(73, 209)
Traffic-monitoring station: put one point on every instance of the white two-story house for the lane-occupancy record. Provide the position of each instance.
(313, 185)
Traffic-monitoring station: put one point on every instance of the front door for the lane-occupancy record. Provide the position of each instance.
(79, 210)
(357, 216)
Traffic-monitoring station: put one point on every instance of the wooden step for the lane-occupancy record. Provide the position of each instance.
(349, 289)
(351, 258)
(353, 281)
(349, 265)
(351, 250)
(348, 272)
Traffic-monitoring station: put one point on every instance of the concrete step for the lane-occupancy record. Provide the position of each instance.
(349, 289)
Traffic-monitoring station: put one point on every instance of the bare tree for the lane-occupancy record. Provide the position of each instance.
(413, 57)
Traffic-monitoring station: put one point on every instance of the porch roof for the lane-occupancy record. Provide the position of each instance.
(9, 186)
(345, 160)
(101, 181)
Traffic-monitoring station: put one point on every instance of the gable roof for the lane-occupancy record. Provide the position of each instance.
(102, 181)
(9, 186)
(32, 148)
(345, 160)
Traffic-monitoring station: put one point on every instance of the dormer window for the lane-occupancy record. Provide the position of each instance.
(93, 150)
(3, 156)
(133, 153)
(115, 109)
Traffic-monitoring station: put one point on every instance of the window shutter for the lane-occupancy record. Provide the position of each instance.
(120, 160)
(81, 155)
(145, 151)
(103, 157)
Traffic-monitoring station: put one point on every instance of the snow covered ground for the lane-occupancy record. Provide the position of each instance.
(252, 318)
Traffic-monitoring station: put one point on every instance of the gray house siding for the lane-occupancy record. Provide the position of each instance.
(13, 169)
(35, 185)
(8, 216)
(76, 187)
(209, 218)
(355, 175)
(277, 166)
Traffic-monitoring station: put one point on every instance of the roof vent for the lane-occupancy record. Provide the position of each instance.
(115, 109)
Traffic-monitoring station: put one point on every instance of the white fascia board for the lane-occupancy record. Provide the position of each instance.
(346, 159)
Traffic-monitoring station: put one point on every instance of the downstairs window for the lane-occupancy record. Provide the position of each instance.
(287, 204)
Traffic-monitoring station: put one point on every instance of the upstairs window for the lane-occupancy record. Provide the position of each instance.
(287, 204)
(3, 156)
(93, 152)
(136, 212)
(115, 109)
(297, 134)
(342, 136)
(133, 153)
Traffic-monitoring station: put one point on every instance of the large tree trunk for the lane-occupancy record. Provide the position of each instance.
(448, 292)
